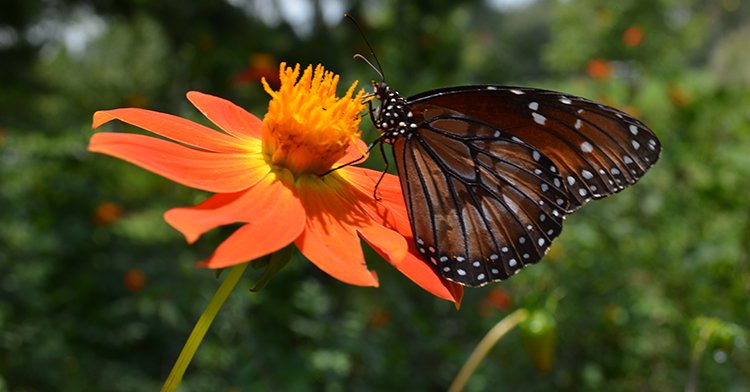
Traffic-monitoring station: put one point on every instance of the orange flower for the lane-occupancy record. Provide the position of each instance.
(599, 69)
(134, 279)
(107, 213)
(260, 66)
(633, 36)
(267, 175)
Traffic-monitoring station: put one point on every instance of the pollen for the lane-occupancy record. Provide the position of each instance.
(307, 128)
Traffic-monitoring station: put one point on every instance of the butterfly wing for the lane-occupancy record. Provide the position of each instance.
(482, 203)
(598, 149)
(489, 172)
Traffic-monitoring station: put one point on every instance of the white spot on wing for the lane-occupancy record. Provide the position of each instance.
(538, 118)
(534, 106)
(587, 147)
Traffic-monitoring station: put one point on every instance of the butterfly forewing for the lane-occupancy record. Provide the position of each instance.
(598, 149)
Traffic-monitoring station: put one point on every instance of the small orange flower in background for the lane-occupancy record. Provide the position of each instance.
(632, 110)
(599, 69)
(137, 100)
(679, 96)
(260, 66)
(633, 36)
(106, 213)
(496, 299)
(134, 280)
(267, 175)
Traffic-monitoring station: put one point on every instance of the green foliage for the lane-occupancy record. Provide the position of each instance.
(638, 275)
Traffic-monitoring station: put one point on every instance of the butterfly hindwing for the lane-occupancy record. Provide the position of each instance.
(498, 200)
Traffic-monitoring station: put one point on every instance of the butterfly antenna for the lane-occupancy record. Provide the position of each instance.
(379, 68)
(363, 58)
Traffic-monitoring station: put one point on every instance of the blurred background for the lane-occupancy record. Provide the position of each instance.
(646, 290)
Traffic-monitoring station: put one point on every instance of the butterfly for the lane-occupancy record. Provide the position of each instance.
(488, 173)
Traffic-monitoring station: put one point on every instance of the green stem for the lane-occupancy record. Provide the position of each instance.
(201, 327)
(695, 359)
(484, 347)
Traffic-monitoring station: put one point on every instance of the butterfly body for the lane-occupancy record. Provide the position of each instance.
(489, 172)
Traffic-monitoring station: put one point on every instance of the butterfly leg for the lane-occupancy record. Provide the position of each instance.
(333, 169)
(385, 170)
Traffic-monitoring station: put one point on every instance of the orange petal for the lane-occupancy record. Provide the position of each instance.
(281, 223)
(228, 116)
(192, 222)
(390, 210)
(172, 127)
(388, 243)
(330, 240)
(213, 172)
(226, 208)
(425, 277)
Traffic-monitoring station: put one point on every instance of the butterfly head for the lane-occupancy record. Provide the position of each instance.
(394, 118)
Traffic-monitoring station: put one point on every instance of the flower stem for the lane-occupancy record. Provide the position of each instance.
(695, 359)
(484, 347)
(201, 327)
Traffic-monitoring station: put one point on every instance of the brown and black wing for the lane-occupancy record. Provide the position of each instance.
(482, 203)
(598, 150)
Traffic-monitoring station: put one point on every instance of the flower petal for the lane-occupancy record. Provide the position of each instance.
(213, 172)
(281, 220)
(192, 222)
(390, 210)
(172, 127)
(226, 208)
(388, 243)
(228, 116)
(330, 240)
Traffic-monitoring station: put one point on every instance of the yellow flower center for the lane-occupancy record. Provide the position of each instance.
(307, 128)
